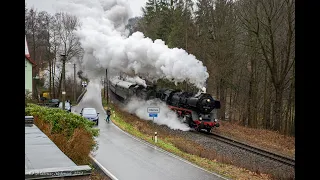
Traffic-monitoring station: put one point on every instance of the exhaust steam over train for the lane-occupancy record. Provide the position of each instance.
(199, 111)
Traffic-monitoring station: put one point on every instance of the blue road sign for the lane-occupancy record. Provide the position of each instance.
(153, 115)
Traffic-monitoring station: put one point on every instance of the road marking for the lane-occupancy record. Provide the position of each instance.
(168, 153)
(108, 173)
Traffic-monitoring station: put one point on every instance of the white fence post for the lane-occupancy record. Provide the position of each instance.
(155, 137)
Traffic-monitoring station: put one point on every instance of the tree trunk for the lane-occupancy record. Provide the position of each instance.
(278, 107)
(50, 77)
(266, 102)
(290, 112)
(238, 96)
(54, 71)
(53, 79)
(249, 106)
(252, 95)
(222, 100)
(64, 65)
(230, 105)
(60, 83)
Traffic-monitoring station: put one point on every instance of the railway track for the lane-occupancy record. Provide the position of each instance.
(261, 152)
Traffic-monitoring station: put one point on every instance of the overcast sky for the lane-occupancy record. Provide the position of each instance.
(48, 5)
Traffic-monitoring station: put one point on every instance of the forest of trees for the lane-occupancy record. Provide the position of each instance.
(49, 37)
(248, 47)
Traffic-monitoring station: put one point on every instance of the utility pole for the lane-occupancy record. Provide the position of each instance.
(63, 80)
(107, 86)
(104, 88)
(74, 83)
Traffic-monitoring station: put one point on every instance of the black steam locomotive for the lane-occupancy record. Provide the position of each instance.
(197, 110)
(204, 103)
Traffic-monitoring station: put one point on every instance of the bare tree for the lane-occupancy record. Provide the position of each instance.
(70, 44)
(272, 24)
(55, 28)
(217, 37)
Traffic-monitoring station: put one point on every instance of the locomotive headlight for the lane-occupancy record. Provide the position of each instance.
(200, 118)
(215, 120)
(208, 100)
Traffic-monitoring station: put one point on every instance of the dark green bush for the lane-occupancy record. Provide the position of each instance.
(61, 121)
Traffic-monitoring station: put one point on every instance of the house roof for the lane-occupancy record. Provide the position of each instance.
(27, 53)
(30, 60)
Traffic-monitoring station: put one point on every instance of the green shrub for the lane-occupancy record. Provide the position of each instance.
(73, 134)
(61, 121)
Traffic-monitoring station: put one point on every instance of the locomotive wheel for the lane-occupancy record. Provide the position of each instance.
(209, 130)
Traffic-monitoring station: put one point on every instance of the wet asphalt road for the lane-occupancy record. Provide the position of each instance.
(128, 158)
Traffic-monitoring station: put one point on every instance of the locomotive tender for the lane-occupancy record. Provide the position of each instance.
(197, 110)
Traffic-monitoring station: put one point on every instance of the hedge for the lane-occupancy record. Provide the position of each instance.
(72, 133)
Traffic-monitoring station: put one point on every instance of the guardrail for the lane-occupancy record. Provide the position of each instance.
(81, 95)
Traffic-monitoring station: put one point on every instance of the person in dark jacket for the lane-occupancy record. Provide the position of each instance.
(108, 115)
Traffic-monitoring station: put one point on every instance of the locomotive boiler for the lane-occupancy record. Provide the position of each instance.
(204, 103)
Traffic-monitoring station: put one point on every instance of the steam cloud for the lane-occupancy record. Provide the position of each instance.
(166, 116)
(136, 80)
(103, 36)
(135, 106)
(106, 46)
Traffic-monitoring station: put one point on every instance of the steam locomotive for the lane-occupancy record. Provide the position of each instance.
(199, 111)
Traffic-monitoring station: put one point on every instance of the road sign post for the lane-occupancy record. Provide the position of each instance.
(153, 112)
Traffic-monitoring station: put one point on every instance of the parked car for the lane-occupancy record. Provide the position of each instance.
(54, 102)
(91, 114)
(67, 106)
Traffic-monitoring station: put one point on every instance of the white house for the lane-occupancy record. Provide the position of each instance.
(29, 66)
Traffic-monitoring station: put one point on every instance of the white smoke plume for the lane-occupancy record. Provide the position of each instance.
(136, 80)
(103, 37)
(165, 117)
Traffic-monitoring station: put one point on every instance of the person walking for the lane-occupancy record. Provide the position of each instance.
(108, 115)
